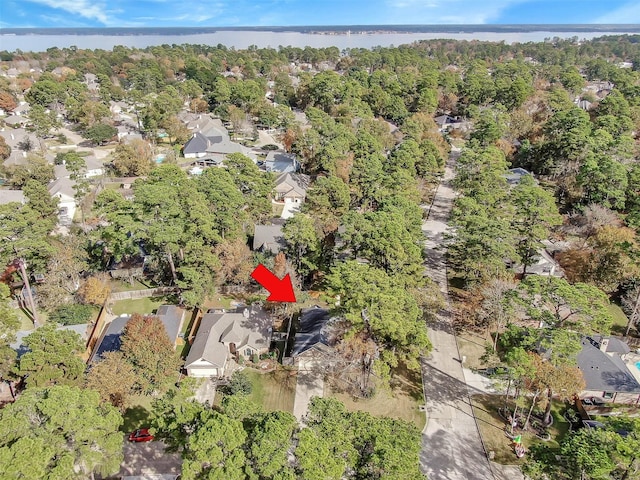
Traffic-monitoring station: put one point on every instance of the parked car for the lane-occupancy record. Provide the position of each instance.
(140, 435)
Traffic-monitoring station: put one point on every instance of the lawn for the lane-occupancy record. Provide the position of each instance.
(124, 286)
(138, 414)
(492, 427)
(141, 305)
(619, 320)
(472, 346)
(401, 400)
(275, 391)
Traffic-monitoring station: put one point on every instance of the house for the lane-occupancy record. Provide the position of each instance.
(228, 335)
(268, 238)
(62, 189)
(514, 175)
(544, 265)
(94, 167)
(315, 336)
(16, 121)
(281, 162)
(111, 338)
(606, 365)
(11, 196)
(447, 122)
(291, 190)
(172, 318)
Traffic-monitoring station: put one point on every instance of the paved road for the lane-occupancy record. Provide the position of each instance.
(451, 445)
(310, 383)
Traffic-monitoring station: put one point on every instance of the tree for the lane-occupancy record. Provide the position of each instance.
(482, 243)
(563, 305)
(269, 444)
(497, 307)
(606, 261)
(7, 101)
(5, 150)
(239, 384)
(380, 305)
(146, 346)
(40, 200)
(94, 291)
(215, 449)
(113, 378)
(535, 214)
(592, 453)
(303, 244)
(59, 432)
(100, 133)
(327, 201)
(43, 121)
(63, 273)
(24, 234)
(235, 260)
(53, 358)
(133, 159)
(36, 168)
(9, 325)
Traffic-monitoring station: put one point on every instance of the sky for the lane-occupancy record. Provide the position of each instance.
(219, 13)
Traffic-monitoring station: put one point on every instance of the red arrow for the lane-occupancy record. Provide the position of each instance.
(280, 290)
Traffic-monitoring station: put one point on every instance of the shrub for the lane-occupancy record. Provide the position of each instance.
(239, 383)
(269, 146)
(72, 314)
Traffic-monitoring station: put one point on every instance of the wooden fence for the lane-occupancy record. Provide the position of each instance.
(148, 292)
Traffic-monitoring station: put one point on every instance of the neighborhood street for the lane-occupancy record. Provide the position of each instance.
(451, 444)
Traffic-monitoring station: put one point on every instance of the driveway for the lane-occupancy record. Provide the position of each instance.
(148, 458)
(310, 383)
(451, 444)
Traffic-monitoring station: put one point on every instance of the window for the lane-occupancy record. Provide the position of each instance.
(607, 395)
(247, 352)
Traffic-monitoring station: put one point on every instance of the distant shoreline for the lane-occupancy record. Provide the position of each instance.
(331, 29)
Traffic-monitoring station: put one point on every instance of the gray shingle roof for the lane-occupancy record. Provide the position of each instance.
(313, 330)
(171, 318)
(253, 330)
(268, 238)
(292, 184)
(196, 144)
(604, 372)
(110, 341)
(9, 196)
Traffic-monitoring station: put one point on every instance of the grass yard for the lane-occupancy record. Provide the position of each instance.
(493, 434)
(217, 301)
(138, 414)
(141, 305)
(124, 286)
(275, 391)
(619, 320)
(472, 346)
(400, 401)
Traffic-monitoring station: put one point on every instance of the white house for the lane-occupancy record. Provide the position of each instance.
(62, 189)
(291, 190)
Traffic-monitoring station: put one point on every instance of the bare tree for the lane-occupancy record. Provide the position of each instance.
(497, 308)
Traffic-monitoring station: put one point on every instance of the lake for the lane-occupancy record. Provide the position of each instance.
(262, 39)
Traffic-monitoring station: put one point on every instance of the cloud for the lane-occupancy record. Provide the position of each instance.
(85, 8)
(450, 11)
(628, 13)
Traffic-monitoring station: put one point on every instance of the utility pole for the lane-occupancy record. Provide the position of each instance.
(20, 263)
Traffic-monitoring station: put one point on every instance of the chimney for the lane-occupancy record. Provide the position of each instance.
(604, 344)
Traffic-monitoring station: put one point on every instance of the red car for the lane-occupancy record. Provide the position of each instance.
(140, 435)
